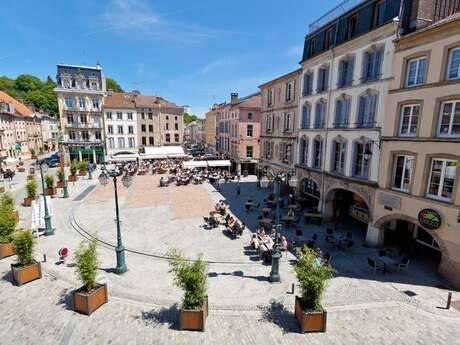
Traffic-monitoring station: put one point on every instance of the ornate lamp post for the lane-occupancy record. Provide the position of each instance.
(126, 180)
(277, 177)
(48, 229)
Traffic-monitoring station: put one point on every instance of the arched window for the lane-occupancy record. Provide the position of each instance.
(346, 69)
(303, 159)
(305, 116)
(372, 64)
(342, 111)
(367, 109)
(339, 150)
(317, 152)
(307, 84)
(320, 113)
(362, 158)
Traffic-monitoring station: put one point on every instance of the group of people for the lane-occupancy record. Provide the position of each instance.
(221, 215)
(264, 243)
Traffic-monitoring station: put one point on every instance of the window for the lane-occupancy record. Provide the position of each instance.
(342, 110)
(108, 115)
(176, 138)
(151, 141)
(119, 115)
(366, 110)
(303, 151)
(323, 79)
(84, 136)
(167, 118)
(372, 65)
(166, 126)
(249, 116)
(143, 116)
(310, 187)
(363, 156)
(121, 143)
(95, 103)
(402, 173)
(352, 24)
(270, 97)
(305, 123)
(150, 116)
(270, 123)
(409, 120)
(144, 141)
(289, 92)
(168, 137)
(379, 13)
(143, 128)
(120, 129)
(249, 130)
(307, 84)
(82, 102)
(151, 128)
(176, 126)
(130, 129)
(110, 129)
(130, 116)
(415, 74)
(320, 112)
(442, 178)
(71, 135)
(287, 122)
(328, 38)
(317, 153)
(449, 120)
(70, 119)
(312, 46)
(131, 142)
(68, 102)
(83, 119)
(346, 67)
(453, 65)
(98, 135)
(339, 148)
(249, 151)
(111, 143)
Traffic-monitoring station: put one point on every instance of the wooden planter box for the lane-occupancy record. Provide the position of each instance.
(21, 169)
(2, 189)
(50, 191)
(310, 321)
(30, 177)
(21, 163)
(28, 202)
(60, 184)
(23, 275)
(73, 178)
(194, 320)
(6, 249)
(87, 303)
(82, 173)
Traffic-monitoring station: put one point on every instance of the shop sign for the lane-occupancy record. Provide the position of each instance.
(429, 219)
(360, 214)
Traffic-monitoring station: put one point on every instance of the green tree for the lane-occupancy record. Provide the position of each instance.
(111, 84)
(189, 118)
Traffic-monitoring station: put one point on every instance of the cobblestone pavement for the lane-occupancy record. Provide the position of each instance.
(403, 308)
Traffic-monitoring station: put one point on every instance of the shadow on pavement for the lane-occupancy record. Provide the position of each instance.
(165, 316)
(277, 314)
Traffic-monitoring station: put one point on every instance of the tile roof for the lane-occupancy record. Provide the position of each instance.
(153, 101)
(19, 107)
(120, 100)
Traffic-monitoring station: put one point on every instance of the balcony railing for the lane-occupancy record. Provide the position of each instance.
(445, 8)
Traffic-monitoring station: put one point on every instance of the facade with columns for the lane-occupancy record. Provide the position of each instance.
(80, 93)
(278, 121)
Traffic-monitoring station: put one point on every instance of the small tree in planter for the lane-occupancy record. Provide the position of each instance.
(73, 171)
(26, 269)
(49, 180)
(61, 179)
(91, 295)
(312, 277)
(33, 153)
(83, 167)
(191, 276)
(8, 224)
(31, 188)
(7, 201)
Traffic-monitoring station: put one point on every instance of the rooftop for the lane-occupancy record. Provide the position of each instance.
(120, 100)
(20, 108)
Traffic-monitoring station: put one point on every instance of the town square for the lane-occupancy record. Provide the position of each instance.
(314, 204)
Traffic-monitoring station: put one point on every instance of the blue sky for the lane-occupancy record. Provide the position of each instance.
(191, 52)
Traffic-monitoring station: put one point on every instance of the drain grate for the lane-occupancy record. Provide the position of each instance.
(83, 194)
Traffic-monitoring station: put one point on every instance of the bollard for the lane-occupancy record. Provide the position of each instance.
(292, 288)
(44, 257)
(449, 300)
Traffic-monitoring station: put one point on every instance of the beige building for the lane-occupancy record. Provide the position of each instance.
(418, 205)
(160, 122)
(210, 126)
(279, 116)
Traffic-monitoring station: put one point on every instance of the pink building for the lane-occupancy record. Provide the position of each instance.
(238, 132)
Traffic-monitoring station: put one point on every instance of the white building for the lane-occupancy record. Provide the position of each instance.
(50, 132)
(120, 123)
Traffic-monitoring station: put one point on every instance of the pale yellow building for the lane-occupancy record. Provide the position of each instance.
(417, 208)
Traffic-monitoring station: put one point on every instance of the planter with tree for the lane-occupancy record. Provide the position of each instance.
(61, 179)
(191, 276)
(8, 224)
(33, 154)
(49, 180)
(31, 188)
(26, 269)
(312, 277)
(91, 295)
(83, 168)
(73, 171)
(6, 200)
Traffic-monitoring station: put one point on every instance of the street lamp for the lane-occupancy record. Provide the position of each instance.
(126, 180)
(277, 177)
(48, 229)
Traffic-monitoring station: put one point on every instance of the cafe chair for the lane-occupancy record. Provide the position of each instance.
(374, 265)
(404, 264)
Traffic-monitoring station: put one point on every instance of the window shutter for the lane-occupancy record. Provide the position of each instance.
(346, 114)
(349, 76)
(361, 109)
(341, 78)
(326, 78)
(377, 63)
(319, 85)
(372, 109)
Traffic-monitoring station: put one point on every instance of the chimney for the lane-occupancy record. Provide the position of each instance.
(234, 97)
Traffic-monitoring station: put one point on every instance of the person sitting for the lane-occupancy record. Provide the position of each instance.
(235, 230)
(213, 222)
(283, 244)
(254, 241)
